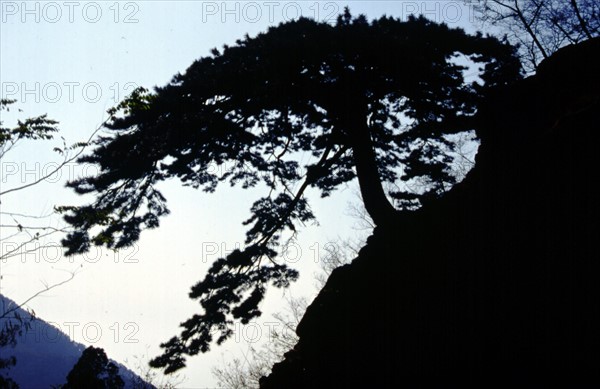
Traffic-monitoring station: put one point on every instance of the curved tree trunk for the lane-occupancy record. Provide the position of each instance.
(376, 202)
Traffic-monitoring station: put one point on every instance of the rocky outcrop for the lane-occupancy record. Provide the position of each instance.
(496, 284)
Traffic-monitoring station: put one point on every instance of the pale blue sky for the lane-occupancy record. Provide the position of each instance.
(74, 60)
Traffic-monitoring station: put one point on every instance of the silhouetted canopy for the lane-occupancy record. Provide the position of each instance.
(366, 99)
(93, 370)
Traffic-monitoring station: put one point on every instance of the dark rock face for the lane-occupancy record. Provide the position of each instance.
(496, 284)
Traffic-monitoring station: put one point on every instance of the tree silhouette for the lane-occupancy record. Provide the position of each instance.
(93, 370)
(365, 99)
(541, 27)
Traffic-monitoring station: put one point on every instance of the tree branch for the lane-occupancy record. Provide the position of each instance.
(46, 289)
(55, 170)
(582, 22)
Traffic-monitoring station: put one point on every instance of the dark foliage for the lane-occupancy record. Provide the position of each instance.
(7, 383)
(8, 334)
(94, 371)
(365, 99)
(39, 127)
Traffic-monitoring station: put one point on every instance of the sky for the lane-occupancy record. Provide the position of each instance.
(74, 60)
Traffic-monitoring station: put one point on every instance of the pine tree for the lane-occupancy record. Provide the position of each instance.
(365, 99)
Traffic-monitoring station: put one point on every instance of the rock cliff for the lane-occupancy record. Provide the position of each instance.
(498, 282)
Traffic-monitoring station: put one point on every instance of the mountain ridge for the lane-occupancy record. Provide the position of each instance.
(45, 354)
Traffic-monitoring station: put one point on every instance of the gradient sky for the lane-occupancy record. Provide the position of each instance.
(73, 61)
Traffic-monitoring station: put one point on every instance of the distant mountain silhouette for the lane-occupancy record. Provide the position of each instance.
(45, 355)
